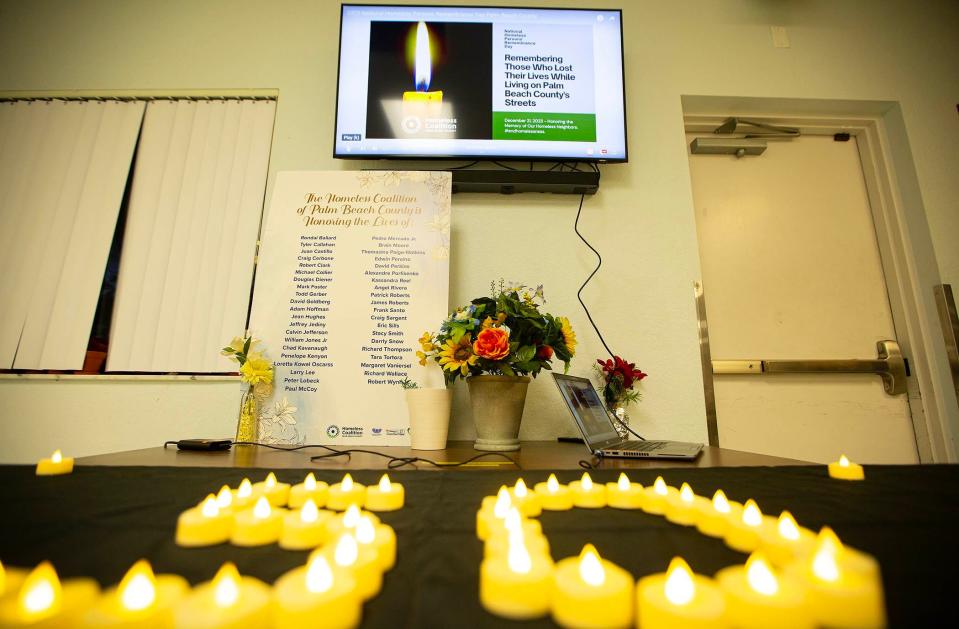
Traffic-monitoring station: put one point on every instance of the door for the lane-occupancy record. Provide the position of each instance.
(791, 270)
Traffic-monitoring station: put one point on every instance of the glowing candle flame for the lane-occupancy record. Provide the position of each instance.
(590, 567)
(347, 484)
(513, 521)
(752, 516)
(503, 503)
(827, 538)
(270, 481)
(552, 485)
(346, 551)
(41, 594)
(760, 576)
(385, 485)
(843, 461)
(586, 482)
(309, 483)
(210, 508)
(319, 576)
(245, 489)
(352, 517)
(56, 457)
(226, 585)
(824, 564)
(623, 482)
(225, 498)
(660, 486)
(518, 557)
(365, 532)
(423, 64)
(686, 494)
(309, 513)
(720, 504)
(137, 590)
(787, 527)
(679, 586)
(520, 490)
(262, 509)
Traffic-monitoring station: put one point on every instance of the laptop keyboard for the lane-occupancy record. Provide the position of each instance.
(640, 446)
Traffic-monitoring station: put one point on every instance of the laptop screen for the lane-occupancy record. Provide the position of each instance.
(587, 409)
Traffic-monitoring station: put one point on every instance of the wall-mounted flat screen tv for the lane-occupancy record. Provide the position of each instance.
(480, 83)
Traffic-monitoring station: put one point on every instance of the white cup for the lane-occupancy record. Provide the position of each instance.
(429, 417)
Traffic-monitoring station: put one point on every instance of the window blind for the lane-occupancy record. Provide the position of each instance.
(63, 169)
(193, 218)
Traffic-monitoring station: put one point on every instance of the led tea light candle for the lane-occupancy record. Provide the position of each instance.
(229, 601)
(678, 598)
(514, 523)
(277, 493)
(309, 488)
(850, 559)
(347, 521)
(757, 598)
(203, 525)
(517, 584)
(498, 545)
(716, 515)
(591, 592)
(41, 600)
(305, 528)
(838, 597)
(656, 498)
(345, 493)
(257, 526)
(685, 508)
(422, 70)
(491, 517)
(142, 599)
(553, 496)
(381, 538)
(623, 494)
(244, 497)
(56, 465)
(786, 540)
(386, 496)
(525, 500)
(587, 494)
(743, 533)
(361, 561)
(843, 469)
(10, 580)
(305, 595)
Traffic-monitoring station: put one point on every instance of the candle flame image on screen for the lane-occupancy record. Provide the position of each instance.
(760, 576)
(679, 587)
(385, 485)
(591, 569)
(520, 490)
(787, 526)
(40, 594)
(319, 575)
(57, 456)
(552, 485)
(226, 585)
(660, 486)
(586, 482)
(623, 482)
(309, 483)
(137, 590)
(309, 513)
(422, 58)
(720, 503)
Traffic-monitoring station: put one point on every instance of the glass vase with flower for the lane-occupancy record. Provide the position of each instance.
(617, 381)
(257, 373)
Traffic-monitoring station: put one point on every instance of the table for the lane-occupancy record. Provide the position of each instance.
(534, 455)
(100, 519)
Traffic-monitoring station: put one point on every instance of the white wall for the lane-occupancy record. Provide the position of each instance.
(642, 219)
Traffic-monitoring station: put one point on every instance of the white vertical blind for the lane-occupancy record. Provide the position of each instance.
(187, 261)
(63, 169)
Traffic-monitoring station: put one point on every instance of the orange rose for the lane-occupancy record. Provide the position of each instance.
(492, 344)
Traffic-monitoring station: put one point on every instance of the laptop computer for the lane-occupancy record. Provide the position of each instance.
(599, 432)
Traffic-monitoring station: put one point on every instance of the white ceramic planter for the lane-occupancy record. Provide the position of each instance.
(497, 403)
(429, 417)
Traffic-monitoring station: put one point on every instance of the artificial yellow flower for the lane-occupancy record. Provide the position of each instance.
(426, 341)
(487, 323)
(423, 357)
(569, 337)
(257, 370)
(460, 355)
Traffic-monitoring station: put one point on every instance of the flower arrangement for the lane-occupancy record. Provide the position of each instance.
(618, 377)
(505, 334)
(254, 368)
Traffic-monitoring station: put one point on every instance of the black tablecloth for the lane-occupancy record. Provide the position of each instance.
(99, 520)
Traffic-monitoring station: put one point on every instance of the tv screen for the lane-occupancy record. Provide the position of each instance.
(480, 83)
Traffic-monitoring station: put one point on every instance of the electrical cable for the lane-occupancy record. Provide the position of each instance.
(582, 198)
(501, 165)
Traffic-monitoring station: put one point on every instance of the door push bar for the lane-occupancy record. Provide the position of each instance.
(890, 366)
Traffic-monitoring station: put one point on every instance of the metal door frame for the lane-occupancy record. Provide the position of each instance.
(906, 254)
